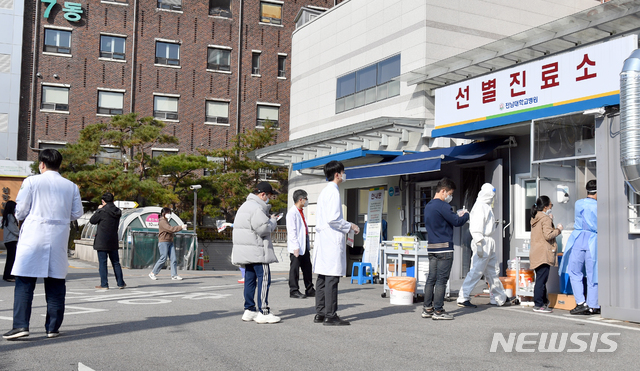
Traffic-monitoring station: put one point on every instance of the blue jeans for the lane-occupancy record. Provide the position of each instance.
(55, 290)
(115, 263)
(257, 275)
(166, 248)
(436, 285)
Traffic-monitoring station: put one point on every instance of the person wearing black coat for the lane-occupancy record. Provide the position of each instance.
(107, 217)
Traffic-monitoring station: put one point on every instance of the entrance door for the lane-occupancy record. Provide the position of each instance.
(494, 175)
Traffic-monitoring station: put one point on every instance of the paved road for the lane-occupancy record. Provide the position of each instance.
(195, 325)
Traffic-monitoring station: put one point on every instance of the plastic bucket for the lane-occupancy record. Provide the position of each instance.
(402, 290)
(526, 275)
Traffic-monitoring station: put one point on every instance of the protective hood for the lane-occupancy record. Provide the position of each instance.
(112, 209)
(486, 194)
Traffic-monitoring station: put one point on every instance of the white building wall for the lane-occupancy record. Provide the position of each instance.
(358, 33)
(11, 20)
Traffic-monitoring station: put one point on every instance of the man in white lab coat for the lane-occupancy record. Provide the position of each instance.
(47, 203)
(330, 257)
(298, 247)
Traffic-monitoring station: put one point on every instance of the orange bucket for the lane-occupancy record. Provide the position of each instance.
(525, 274)
(508, 283)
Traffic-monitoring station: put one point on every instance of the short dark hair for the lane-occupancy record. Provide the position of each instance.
(51, 158)
(332, 168)
(592, 187)
(107, 197)
(298, 195)
(165, 210)
(446, 184)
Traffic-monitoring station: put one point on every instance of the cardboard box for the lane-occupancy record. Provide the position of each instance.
(562, 301)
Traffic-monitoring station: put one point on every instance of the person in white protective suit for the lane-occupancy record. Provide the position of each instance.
(484, 259)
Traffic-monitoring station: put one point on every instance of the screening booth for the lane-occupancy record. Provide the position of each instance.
(138, 235)
(562, 101)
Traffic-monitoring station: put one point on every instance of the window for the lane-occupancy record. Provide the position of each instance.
(165, 108)
(112, 47)
(158, 152)
(170, 4)
(51, 145)
(282, 64)
(117, 1)
(219, 59)
(55, 98)
(110, 103)
(220, 8)
(526, 193)
(270, 13)
(267, 113)
(57, 41)
(167, 53)
(217, 112)
(368, 85)
(255, 64)
(108, 155)
(563, 137)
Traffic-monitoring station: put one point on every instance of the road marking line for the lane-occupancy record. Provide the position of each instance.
(82, 367)
(81, 310)
(572, 319)
(7, 318)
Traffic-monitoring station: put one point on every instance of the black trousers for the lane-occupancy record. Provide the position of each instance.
(540, 287)
(327, 295)
(11, 257)
(300, 262)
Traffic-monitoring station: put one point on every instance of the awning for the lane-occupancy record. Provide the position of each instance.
(424, 162)
(344, 157)
(615, 18)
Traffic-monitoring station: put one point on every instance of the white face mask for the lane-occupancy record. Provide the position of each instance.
(306, 203)
(548, 212)
(168, 216)
(448, 199)
(344, 177)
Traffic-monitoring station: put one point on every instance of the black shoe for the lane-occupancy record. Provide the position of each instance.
(467, 304)
(311, 293)
(335, 321)
(579, 309)
(591, 311)
(318, 318)
(53, 334)
(427, 312)
(16, 333)
(297, 295)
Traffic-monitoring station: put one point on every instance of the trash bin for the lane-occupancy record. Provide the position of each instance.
(402, 290)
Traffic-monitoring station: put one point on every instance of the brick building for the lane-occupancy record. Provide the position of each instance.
(208, 69)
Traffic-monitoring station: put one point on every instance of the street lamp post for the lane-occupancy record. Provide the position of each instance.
(195, 189)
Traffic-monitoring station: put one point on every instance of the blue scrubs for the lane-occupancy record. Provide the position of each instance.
(582, 252)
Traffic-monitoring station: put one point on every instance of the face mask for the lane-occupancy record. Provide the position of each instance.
(306, 203)
(168, 216)
(267, 200)
(548, 212)
(344, 177)
(448, 199)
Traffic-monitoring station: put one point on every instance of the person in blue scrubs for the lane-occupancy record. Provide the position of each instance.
(582, 253)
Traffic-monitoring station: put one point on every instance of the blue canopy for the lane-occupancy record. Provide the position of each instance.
(423, 162)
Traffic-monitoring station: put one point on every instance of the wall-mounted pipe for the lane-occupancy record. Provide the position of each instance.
(630, 120)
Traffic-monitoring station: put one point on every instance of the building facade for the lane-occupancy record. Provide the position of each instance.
(208, 69)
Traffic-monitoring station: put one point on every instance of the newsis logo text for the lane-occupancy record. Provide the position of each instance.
(544, 342)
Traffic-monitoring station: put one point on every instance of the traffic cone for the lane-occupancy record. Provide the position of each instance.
(201, 261)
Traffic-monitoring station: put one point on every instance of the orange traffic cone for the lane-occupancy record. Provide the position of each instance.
(201, 261)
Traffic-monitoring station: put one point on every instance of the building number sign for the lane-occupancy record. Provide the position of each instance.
(71, 11)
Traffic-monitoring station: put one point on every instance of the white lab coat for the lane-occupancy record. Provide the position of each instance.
(330, 257)
(296, 232)
(47, 203)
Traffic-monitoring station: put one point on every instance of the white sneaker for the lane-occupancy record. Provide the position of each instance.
(153, 276)
(176, 278)
(266, 318)
(249, 316)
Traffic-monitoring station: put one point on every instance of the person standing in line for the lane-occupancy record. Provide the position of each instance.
(166, 246)
(298, 247)
(439, 221)
(10, 236)
(330, 258)
(47, 203)
(252, 247)
(543, 250)
(582, 252)
(107, 217)
(482, 224)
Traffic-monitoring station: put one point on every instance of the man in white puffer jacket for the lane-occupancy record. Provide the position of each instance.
(252, 248)
(484, 259)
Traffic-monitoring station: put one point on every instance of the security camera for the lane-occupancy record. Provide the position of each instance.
(195, 187)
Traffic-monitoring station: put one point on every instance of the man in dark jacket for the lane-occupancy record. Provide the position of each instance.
(107, 217)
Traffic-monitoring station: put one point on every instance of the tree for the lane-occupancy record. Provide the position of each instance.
(234, 174)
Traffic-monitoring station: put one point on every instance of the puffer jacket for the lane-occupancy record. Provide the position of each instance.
(107, 218)
(544, 247)
(252, 229)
